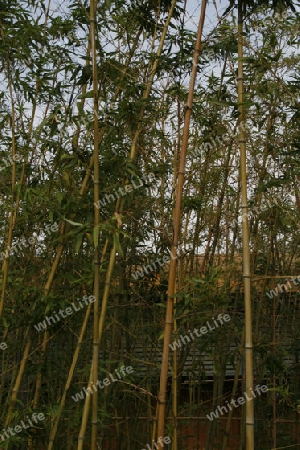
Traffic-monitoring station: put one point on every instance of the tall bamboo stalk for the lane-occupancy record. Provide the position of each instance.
(96, 223)
(175, 355)
(12, 215)
(176, 233)
(119, 209)
(245, 239)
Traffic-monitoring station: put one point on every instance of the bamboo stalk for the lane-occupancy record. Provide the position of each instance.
(5, 264)
(13, 180)
(175, 355)
(234, 391)
(69, 379)
(45, 338)
(100, 334)
(175, 241)
(51, 275)
(118, 210)
(245, 239)
(96, 223)
(147, 91)
(17, 384)
(64, 230)
(274, 427)
(38, 385)
(175, 392)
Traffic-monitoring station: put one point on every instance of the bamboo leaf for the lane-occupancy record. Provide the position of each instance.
(117, 244)
(78, 242)
(74, 223)
(89, 94)
(162, 335)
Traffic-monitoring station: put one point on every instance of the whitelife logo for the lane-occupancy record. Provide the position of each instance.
(287, 286)
(241, 400)
(23, 243)
(106, 382)
(9, 160)
(18, 428)
(160, 440)
(161, 261)
(3, 346)
(203, 330)
(124, 190)
(43, 325)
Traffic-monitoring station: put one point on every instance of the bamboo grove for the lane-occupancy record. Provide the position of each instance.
(149, 225)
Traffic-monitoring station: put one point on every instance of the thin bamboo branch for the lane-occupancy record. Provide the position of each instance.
(147, 91)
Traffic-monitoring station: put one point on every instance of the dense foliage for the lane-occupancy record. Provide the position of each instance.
(47, 227)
